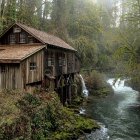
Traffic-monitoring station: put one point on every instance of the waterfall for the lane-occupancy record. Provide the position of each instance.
(84, 89)
(126, 92)
(119, 85)
(82, 111)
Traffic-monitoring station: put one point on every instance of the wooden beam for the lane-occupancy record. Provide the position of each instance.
(9, 61)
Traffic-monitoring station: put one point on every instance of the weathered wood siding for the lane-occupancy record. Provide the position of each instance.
(77, 64)
(56, 69)
(5, 39)
(36, 75)
(10, 78)
(65, 68)
(49, 69)
(18, 76)
(71, 64)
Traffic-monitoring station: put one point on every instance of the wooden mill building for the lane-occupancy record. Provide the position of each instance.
(30, 59)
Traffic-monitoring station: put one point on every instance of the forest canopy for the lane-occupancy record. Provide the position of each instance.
(104, 32)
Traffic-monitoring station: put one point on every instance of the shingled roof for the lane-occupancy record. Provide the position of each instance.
(45, 37)
(17, 53)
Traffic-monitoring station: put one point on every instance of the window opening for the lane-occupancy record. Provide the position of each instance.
(33, 66)
(51, 60)
(12, 39)
(3, 69)
(62, 60)
(22, 38)
(17, 30)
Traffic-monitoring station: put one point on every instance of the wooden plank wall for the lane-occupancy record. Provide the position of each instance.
(77, 64)
(64, 68)
(10, 79)
(56, 70)
(5, 38)
(17, 76)
(50, 70)
(32, 76)
(72, 64)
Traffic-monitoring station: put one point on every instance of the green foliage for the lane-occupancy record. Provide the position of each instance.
(97, 84)
(94, 80)
(126, 45)
(77, 22)
(42, 117)
(8, 109)
(87, 51)
(62, 136)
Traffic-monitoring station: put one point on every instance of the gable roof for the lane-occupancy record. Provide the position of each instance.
(44, 37)
(17, 53)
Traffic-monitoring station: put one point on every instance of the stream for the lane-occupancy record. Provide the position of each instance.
(118, 114)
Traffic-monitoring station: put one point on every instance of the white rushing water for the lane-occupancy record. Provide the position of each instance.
(82, 111)
(101, 134)
(85, 94)
(119, 85)
(118, 113)
(84, 89)
(120, 88)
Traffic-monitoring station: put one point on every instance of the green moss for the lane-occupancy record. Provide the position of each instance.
(62, 136)
(103, 92)
(86, 124)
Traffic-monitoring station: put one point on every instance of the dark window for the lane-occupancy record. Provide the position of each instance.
(17, 30)
(33, 66)
(62, 60)
(51, 60)
(3, 69)
(12, 39)
(22, 38)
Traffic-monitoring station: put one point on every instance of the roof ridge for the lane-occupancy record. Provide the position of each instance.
(44, 37)
(23, 26)
(40, 31)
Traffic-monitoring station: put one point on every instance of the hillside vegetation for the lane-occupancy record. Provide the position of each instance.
(39, 116)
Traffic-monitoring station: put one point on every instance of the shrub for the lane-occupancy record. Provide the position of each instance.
(43, 117)
(96, 84)
(95, 80)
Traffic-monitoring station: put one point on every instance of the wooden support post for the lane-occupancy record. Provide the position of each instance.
(69, 94)
(59, 94)
(62, 96)
(65, 95)
(73, 77)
